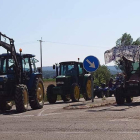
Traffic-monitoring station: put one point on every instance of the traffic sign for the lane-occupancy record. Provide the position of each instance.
(91, 63)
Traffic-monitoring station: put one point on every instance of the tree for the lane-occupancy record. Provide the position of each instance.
(137, 42)
(126, 39)
(102, 75)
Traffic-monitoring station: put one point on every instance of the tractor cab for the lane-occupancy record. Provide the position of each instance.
(72, 71)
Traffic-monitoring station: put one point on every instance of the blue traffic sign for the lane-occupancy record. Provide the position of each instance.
(91, 63)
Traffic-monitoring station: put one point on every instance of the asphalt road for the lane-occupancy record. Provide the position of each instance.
(54, 123)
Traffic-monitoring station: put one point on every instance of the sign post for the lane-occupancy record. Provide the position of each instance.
(91, 64)
(92, 87)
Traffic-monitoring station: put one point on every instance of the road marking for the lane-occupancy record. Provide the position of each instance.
(125, 132)
(40, 113)
(122, 120)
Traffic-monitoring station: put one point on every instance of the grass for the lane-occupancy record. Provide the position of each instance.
(49, 80)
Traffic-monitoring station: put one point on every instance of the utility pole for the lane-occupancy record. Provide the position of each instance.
(41, 52)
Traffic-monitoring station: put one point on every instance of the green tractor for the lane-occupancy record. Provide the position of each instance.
(20, 80)
(71, 81)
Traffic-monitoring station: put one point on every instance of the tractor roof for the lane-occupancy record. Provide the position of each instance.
(70, 62)
(23, 55)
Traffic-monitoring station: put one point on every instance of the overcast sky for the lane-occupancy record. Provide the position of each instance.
(71, 29)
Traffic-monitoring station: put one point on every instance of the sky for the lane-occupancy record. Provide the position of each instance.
(70, 29)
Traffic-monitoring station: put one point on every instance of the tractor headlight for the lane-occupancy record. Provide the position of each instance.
(59, 83)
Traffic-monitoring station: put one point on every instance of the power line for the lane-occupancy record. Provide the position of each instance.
(72, 44)
(61, 43)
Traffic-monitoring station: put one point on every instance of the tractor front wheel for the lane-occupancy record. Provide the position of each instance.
(75, 93)
(119, 96)
(37, 101)
(50, 96)
(21, 98)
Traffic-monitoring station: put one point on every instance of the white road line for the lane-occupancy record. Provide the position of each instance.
(40, 113)
(118, 120)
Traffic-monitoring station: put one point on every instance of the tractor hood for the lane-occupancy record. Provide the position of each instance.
(62, 79)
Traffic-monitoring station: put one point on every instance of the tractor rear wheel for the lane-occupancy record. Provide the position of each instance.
(21, 98)
(87, 95)
(119, 96)
(37, 101)
(5, 105)
(50, 96)
(102, 94)
(75, 93)
(107, 93)
(65, 98)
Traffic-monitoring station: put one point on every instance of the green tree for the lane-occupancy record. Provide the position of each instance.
(137, 42)
(126, 39)
(102, 75)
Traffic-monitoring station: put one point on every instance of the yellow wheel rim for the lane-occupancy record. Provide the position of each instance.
(88, 88)
(25, 93)
(40, 93)
(76, 92)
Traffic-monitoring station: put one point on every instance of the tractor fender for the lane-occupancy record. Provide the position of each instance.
(32, 78)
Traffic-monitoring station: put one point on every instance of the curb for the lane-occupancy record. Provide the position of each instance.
(89, 105)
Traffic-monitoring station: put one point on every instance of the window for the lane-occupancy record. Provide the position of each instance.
(68, 69)
(33, 61)
(80, 69)
(26, 65)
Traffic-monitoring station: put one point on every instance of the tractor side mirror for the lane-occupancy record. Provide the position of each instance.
(53, 66)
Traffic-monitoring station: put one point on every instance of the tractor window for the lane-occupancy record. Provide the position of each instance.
(26, 65)
(11, 66)
(68, 69)
(33, 61)
(80, 69)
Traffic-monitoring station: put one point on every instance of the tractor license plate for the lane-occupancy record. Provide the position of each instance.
(0, 86)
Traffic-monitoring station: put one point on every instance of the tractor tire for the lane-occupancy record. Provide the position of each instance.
(102, 95)
(129, 99)
(119, 96)
(87, 94)
(37, 102)
(21, 98)
(50, 96)
(107, 94)
(65, 98)
(5, 105)
(110, 93)
(98, 95)
(75, 93)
